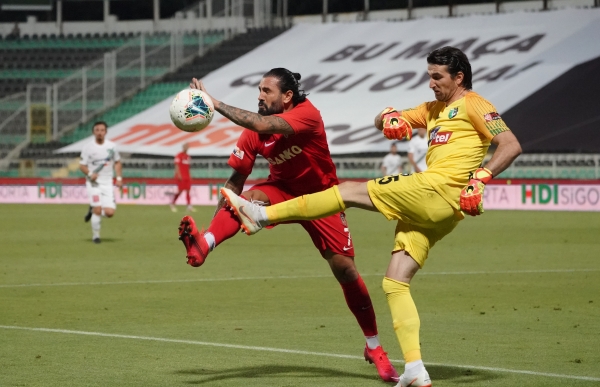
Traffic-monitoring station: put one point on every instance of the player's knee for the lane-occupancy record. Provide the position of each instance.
(343, 267)
(109, 212)
(97, 210)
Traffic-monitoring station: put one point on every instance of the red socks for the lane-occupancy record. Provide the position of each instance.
(224, 225)
(359, 302)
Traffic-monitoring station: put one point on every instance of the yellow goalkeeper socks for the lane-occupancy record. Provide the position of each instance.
(405, 318)
(307, 207)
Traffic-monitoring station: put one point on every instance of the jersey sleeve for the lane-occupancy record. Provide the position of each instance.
(116, 154)
(243, 155)
(85, 156)
(303, 118)
(484, 117)
(177, 159)
(416, 117)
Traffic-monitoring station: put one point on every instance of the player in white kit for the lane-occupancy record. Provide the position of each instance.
(98, 158)
(417, 151)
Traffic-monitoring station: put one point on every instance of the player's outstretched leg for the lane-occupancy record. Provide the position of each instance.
(252, 216)
(194, 242)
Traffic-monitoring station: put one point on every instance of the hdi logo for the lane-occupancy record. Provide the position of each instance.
(50, 190)
(539, 193)
(134, 191)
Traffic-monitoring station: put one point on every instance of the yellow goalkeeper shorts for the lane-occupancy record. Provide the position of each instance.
(424, 217)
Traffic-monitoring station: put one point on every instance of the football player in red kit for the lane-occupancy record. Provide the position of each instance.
(289, 132)
(182, 177)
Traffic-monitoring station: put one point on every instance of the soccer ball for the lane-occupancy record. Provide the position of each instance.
(191, 110)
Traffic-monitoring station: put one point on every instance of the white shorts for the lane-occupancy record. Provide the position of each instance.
(101, 195)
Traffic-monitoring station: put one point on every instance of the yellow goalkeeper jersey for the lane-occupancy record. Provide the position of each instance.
(459, 136)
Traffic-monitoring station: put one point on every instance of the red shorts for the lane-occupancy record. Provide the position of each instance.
(331, 233)
(184, 184)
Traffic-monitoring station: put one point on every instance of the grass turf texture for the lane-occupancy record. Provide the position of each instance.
(511, 315)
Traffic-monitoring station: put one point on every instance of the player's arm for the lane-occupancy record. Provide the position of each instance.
(508, 149)
(411, 160)
(86, 171)
(248, 119)
(119, 171)
(235, 183)
(488, 122)
(177, 171)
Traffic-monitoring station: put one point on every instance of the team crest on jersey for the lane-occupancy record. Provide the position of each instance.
(238, 153)
(452, 113)
(493, 116)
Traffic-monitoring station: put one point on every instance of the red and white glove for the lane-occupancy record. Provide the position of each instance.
(471, 197)
(394, 126)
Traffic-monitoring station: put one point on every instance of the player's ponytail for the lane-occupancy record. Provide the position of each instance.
(288, 81)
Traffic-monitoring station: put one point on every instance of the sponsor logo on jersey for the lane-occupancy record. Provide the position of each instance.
(285, 155)
(489, 117)
(238, 153)
(441, 138)
(452, 113)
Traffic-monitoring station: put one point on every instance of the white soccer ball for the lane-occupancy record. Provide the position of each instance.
(191, 110)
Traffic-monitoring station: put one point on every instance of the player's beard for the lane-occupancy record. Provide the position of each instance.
(265, 110)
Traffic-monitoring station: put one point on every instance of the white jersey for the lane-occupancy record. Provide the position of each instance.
(100, 159)
(418, 147)
(392, 164)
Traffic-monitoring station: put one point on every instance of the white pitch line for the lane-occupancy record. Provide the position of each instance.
(290, 351)
(290, 277)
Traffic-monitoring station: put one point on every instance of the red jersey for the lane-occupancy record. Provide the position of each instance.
(301, 160)
(182, 160)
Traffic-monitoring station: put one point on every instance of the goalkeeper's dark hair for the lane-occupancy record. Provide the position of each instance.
(100, 123)
(456, 60)
(288, 81)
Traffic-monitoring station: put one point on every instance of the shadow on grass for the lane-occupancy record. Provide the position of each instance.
(455, 375)
(268, 371)
(460, 375)
(104, 240)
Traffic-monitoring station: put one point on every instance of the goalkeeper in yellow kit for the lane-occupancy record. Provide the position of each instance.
(428, 205)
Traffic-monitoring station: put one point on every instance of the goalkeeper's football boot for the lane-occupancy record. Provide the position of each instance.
(384, 367)
(248, 213)
(194, 242)
(421, 380)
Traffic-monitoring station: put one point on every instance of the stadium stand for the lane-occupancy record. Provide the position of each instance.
(198, 67)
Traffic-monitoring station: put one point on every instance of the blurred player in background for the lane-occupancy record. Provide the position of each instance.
(417, 151)
(182, 177)
(461, 126)
(391, 163)
(98, 158)
(289, 132)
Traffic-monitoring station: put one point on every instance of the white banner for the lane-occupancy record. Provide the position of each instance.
(352, 71)
(530, 197)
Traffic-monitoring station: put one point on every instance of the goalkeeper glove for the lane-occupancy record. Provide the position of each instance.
(394, 126)
(471, 197)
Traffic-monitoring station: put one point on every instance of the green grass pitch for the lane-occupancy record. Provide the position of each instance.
(504, 293)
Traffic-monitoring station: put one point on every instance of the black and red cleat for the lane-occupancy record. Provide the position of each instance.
(386, 370)
(194, 242)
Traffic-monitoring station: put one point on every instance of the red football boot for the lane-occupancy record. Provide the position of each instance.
(194, 242)
(385, 369)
